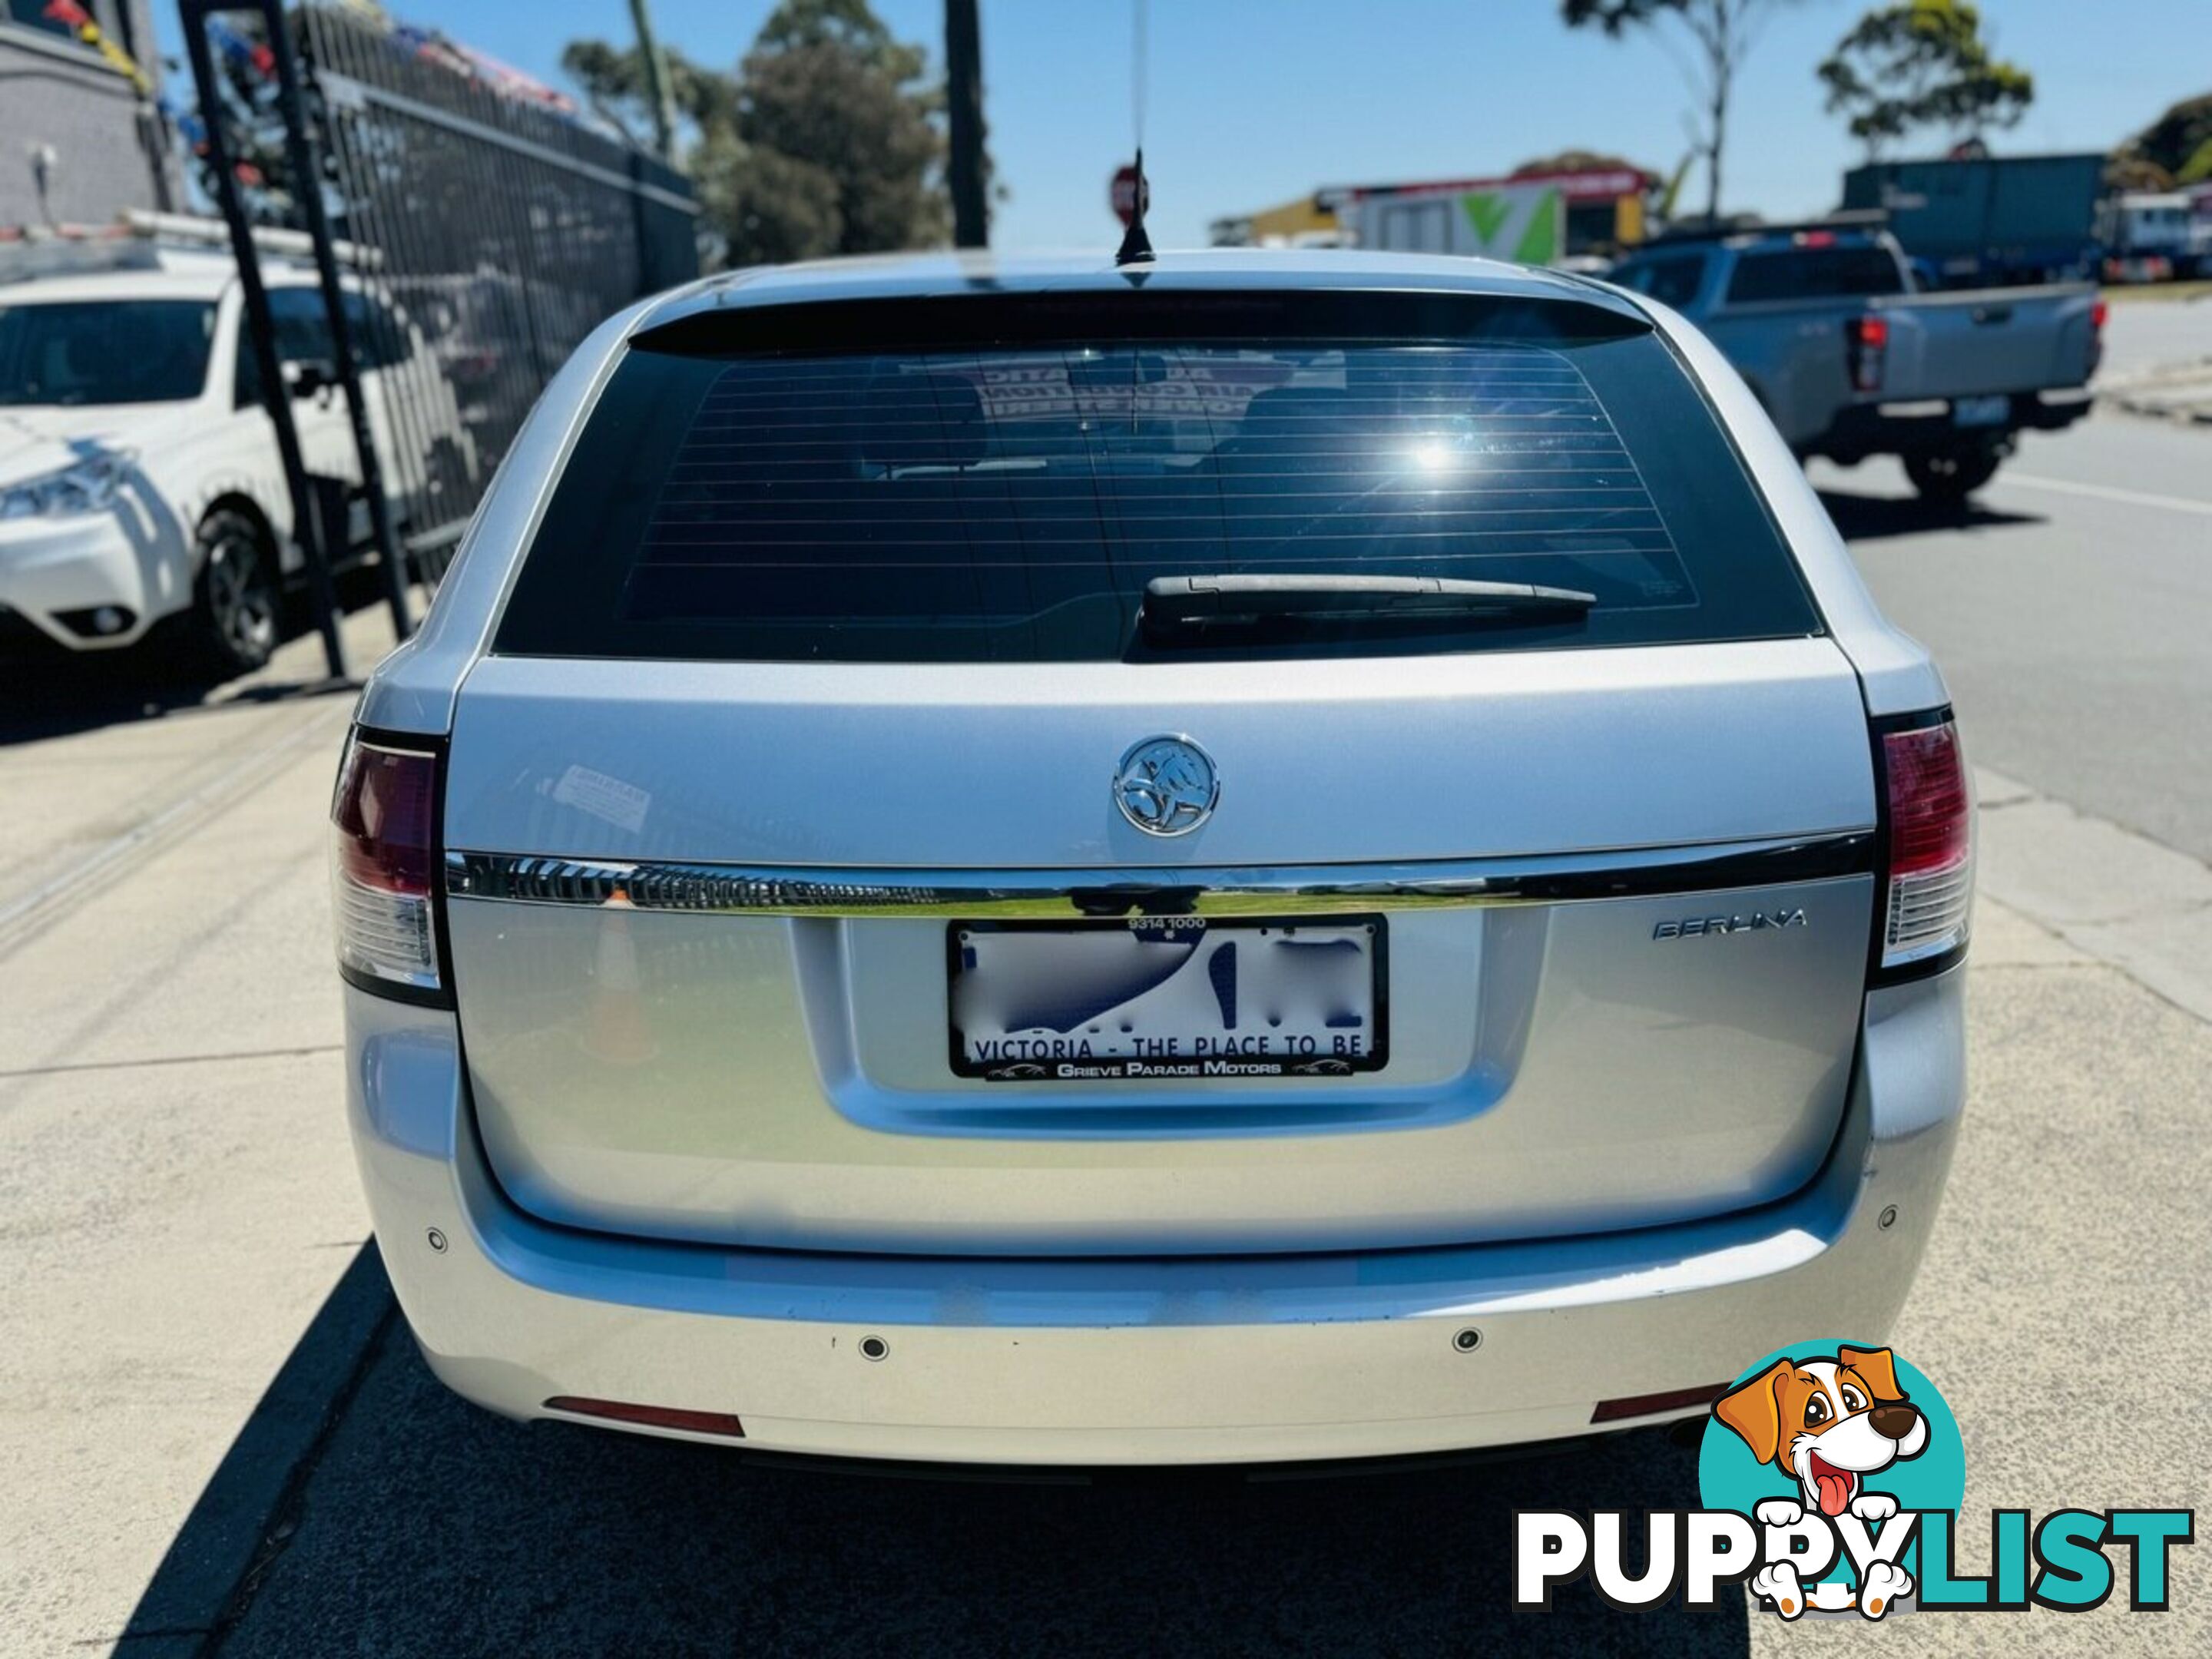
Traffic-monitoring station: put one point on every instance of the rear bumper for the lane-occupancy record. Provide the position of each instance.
(1130, 1360)
(1918, 427)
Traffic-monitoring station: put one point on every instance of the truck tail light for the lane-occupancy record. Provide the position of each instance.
(2098, 312)
(1866, 343)
(384, 862)
(1928, 854)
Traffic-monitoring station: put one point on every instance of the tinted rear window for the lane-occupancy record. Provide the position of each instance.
(1011, 502)
(1822, 273)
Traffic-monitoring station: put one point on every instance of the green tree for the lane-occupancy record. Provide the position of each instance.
(1580, 161)
(1721, 35)
(2176, 148)
(614, 84)
(1922, 64)
(827, 139)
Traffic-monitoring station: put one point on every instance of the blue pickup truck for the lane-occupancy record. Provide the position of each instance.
(1849, 360)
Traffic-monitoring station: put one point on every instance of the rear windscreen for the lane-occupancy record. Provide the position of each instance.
(1814, 273)
(1010, 504)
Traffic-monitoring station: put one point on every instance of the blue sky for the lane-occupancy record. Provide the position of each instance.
(1253, 101)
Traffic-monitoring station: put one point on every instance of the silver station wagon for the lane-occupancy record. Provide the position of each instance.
(1249, 856)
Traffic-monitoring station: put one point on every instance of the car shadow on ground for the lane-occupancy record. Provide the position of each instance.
(363, 1508)
(53, 693)
(63, 699)
(1859, 518)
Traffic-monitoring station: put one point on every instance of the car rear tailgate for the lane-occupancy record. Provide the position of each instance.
(1987, 341)
(1651, 1016)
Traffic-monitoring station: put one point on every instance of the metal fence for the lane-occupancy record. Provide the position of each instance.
(503, 232)
(469, 239)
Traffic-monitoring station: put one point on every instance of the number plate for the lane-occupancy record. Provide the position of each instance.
(1167, 997)
(1980, 411)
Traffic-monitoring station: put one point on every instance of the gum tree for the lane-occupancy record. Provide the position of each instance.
(1922, 64)
(1718, 34)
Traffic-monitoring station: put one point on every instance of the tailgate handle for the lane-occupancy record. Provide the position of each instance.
(1135, 901)
(1985, 315)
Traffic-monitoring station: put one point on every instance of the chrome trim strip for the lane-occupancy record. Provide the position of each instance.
(773, 891)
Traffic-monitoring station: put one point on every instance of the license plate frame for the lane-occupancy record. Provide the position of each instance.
(1321, 1065)
(1992, 410)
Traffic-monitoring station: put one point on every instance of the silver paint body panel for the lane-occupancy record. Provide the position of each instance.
(1009, 765)
(783, 1082)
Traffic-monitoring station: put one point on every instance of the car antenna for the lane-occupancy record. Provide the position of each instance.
(1136, 246)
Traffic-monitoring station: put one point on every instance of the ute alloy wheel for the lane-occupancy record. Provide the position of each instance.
(238, 593)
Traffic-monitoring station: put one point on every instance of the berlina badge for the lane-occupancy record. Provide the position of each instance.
(1166, 785)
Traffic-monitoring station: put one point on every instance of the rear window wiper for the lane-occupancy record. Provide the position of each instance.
(1174, 604)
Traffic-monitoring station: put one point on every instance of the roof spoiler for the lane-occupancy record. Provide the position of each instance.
(1121, 314)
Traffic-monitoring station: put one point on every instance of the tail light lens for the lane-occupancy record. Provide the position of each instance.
(1866, 342)
(383, 858)
(1928, 888)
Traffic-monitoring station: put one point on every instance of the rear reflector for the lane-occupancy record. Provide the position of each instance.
(1928, 887)
(650, 1416)
(383, 857)
(1650, 1405)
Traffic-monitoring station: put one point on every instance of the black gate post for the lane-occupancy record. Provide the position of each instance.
(276, 396)
(963, 101)
(299, 149)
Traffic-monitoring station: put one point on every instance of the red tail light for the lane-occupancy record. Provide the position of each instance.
(384, 861)
(1928, 878)
(1866, 343)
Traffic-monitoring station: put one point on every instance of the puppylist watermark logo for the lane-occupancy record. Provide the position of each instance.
(1831, 1477)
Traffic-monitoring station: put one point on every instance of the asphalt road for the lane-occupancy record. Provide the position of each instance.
(220, 1439)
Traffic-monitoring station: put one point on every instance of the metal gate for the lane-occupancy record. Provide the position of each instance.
(467, 237)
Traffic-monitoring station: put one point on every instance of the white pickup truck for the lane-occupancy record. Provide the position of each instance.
(1849, 361)
(140, 481)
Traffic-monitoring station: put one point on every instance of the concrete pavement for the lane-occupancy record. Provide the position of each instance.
(176, 1194)
(2147, 330)
(218, 1438)
(2180, 391)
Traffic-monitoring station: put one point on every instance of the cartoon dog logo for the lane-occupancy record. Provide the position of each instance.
(1830, 1423)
